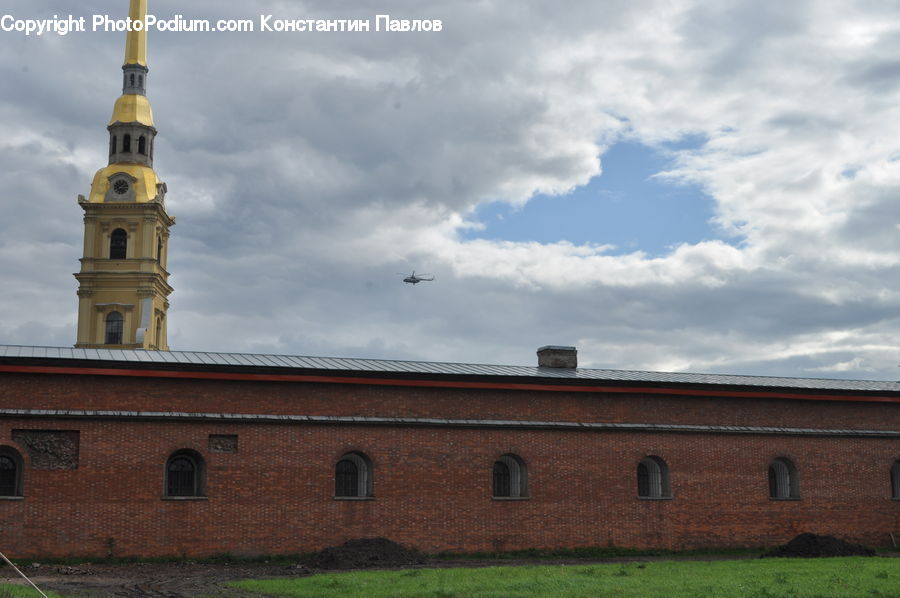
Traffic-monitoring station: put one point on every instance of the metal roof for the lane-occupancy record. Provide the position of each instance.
(293, 363)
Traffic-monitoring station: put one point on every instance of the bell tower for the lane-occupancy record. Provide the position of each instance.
(123, 283)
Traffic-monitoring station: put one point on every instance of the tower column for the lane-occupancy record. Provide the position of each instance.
(148, 236)
(90, 225)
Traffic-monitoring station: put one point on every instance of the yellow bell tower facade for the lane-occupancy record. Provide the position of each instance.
(123, 283)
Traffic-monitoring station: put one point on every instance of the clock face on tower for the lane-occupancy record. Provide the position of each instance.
(120, 187)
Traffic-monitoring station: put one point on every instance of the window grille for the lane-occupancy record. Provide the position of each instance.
(643, 475)
(114, 326)
(895, 480)
(346, 479)
(352, 476)
(501, 479)
(783, 481)
(653, 478)
(9, 476)
(184, 475)
(118, 244)
(509, 477)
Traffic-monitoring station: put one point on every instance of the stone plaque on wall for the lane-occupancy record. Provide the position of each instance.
(223, 443)
(49, 449)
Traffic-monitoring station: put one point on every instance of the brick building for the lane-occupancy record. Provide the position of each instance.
(172, 453)
(119, 447)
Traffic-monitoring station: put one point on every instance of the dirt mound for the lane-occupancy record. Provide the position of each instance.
(365, 553)
(811, 545)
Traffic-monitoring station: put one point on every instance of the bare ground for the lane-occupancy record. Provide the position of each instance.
(147, 580)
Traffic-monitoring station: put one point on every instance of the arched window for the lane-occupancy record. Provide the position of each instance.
(185, 474)
(783, 480)
(131, 79)
(10, 472)
(353, 476)
(158, 333)
(114, 326)
(653, 478)
(118, 244)
(895, 480)
(126, 143)
(142, 145)
(112, 145)
(509, 478)
(141, 81)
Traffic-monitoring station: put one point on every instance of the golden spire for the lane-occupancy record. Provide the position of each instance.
(123, 284)
(136, 42)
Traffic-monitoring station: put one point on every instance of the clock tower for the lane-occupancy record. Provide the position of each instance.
(123, 283)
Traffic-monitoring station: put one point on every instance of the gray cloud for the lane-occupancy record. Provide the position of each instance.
(307, 170)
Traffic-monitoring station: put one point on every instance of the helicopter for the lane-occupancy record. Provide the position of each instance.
(417, 278)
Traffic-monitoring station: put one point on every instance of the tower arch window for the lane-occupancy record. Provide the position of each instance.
(509, 477)
(126, 143)
(783, 480)
(118, 244)
(142, 145)
(114, 327)
(185, 474)
(158, 333)
(353, 476)
(141, 81)
(131, 79)
(10, 473)
(895, 480)
(653, 478)
(112, 145)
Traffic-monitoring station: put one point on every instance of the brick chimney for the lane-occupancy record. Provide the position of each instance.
(553, 356)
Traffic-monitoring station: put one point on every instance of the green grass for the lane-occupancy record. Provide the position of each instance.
(757, 578)
(10, 591)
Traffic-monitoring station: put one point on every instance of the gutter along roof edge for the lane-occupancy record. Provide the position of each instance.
(268, 418)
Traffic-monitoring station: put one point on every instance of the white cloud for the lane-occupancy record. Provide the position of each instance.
(306, 170)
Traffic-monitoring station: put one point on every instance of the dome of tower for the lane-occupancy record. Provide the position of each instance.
(131, 108)
(143, 177)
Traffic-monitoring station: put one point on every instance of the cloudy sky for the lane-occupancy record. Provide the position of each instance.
(676, 185)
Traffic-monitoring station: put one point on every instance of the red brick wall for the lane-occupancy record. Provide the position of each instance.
(432, 485)
(33, 391)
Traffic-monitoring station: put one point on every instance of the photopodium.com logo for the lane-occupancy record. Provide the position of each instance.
(264, 23)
